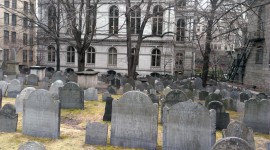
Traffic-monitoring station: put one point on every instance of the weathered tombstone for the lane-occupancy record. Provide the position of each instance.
(166, 91)
(32, 79)
(154, 98)
(21, 79)
(222, 118)
(187, 125)
(41, 115)
(3, 86)
(140, 87)
(21, 97)
(111, 89)
(257, 115)
(54, 88)
(108, 109)
(59, 75)
(198, 83)
(72, 77)
(127, 87)
(153, 91)
(189, 94)
(91, 94)
(230, 104)
(116, 82)
(240, 106)
(96, 133)
(225, 94)
(43, 85)
(203, 95)
(234, 95)
(105, 95)
(71, 96)
(32, 146)
(244, 97)
(240, 130)
(159, 86)
(261, 96)
(232, 143)
(14, 88)
(213, 97)
(8, 118)
(134, 105)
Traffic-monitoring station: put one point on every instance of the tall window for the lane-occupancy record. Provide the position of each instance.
(31, 54)
(70, 54)
(6, 37)
(112, 56)
(113, 20)
(25, 7)
(14, 4)
(32, 7)
(181, 30)
(31, 40)
(91, 55)
(156, 58)
(25, 38)
(6, 3)
(51, 53)
(14, 20)
(181, 3)
(6, 54)
(133, 50)
(24, 55)
(13, 37)
(52, 17)
(157, 20)
(135, 19)
(92, 18)
(261, 18)
(6, 18)
(25, 22)
(259, 55)
(179, 61)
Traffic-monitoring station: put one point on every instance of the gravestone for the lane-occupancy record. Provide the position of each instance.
(4, 86)
(127, 87)
(111, 89)
(8, 118)
(159, 86)
(222, 118)
(32, 146)
(240, 106)
(230, 104)
(21, 97)
(153, 91)
(213, 97)
(1, 97)
(244, 97)
(41, 115)
(225, 94)
(72, 77)
(14, 88)
(198, 83)
(166, 91)
(21, 79)
(108, 109)
(203, 95)
(54, 88)
(105, 95)
(134, 106)
(59, 75)
(154, 98)
(71, 96)
(91, 94)
(240, 130)
(257, 115)
(232, 143)
(43, 85)
(96, 133)
(234, 95)
(261, 96)
(188, 126)
(116, 83)
(140, 87)
(32, 79)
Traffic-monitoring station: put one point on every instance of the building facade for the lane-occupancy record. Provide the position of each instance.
(18, 32)
(167, 54)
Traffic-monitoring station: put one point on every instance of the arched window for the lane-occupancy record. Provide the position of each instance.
(70, 54)
(113, 20)
(51, 53)
(92, 14)
(259, 55)
(157, 20)
(135, 19)
(133, 55)
(156, 58)
(91, 55)
(52, 17)
(112, 56)
(180, 36)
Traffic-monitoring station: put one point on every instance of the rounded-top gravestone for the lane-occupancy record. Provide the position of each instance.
(232, 143)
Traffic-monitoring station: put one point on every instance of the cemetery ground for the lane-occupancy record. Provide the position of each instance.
(73, 124)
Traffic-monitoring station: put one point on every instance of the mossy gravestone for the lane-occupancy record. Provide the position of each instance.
(96, 133)
(32, 146)
(134, 121)
(232, 143)
(41, 115)
(91, 94)
(8, 118)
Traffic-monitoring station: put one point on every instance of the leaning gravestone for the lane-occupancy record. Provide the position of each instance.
(14, 88)
(222, 118)
(198, 83)
(8, 118)
(257, 115)
(232, 143)
(203, 95)
(189, 126)
(96, 133)
(240, 130)
(32, 79)
(244, 97)
(91, 94)
(127, 87)
(54, 88)
(3, 86)
(32, 146)
(71, 96)
(21, 97)
(108, 109)
(41, 115)
(59, 76)
(134, 106)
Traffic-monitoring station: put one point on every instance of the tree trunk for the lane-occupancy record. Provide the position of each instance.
(57, 55)
(81, 60)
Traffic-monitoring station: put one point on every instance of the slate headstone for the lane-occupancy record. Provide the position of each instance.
(222, 118)
(108, 109)
(96, 134)
(8, 118)
(3, 86)
(32, 146)
(213, 97)
(244, 97)
(159, 86)
(59, 75)
(203, 95)
(198, 83)
(32, 79)
(232, 143)
(21, 97)
(14, 88)
(111, 89)
(127, 87)
(261, 96)
(154, 98)
(72, 77)
(41, 115)
(105, 95)
(91, 94)
(54, 88)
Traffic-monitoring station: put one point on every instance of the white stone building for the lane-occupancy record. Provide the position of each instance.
(172, 53)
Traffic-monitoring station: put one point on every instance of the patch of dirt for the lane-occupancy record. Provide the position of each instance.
(72, 122)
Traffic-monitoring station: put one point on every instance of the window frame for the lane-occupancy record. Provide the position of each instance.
(91, 55)
(6, 37)
(13, 37)
(24, 56)
(70, 54)
(51, 54)
(156, 58)
(157, 23)
(6, 18)
(112, 57)
(113, 20)
(181, 31)
(135, 19)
